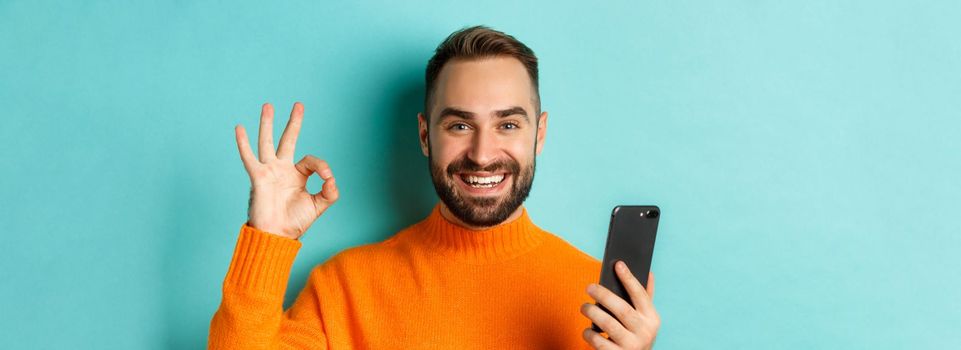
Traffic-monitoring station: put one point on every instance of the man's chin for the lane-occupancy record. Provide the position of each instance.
(483, 208)
(482, 201)
(481, 218)
(478, 210)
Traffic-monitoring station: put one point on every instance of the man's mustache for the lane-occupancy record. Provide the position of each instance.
(467, 165)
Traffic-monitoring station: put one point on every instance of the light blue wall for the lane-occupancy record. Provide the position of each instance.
(806, 156)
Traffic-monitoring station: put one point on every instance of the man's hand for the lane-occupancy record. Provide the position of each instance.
(279, 201)
(633, 328)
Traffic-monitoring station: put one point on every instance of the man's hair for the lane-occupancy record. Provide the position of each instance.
(480, 42)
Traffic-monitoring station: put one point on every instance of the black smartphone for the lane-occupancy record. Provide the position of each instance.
(630, 238)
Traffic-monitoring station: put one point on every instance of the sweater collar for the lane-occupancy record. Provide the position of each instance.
(504, 241)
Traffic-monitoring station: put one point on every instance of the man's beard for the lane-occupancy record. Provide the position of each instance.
(481, 211)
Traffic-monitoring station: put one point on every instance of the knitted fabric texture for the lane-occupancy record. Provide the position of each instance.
(433, 285)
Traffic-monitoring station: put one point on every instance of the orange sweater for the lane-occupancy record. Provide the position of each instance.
(433, 285)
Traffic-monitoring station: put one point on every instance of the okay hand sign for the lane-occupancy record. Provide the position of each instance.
(279, 201)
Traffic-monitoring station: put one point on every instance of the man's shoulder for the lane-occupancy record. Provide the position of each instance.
(568, 265)
(368, 254)
(557, 245)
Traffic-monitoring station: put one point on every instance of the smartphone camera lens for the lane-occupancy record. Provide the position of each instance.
(650, 214)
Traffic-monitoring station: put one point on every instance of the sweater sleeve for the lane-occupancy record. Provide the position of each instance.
(251, 314)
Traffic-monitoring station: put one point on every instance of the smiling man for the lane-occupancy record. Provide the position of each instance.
(475, 274)
(482, 140)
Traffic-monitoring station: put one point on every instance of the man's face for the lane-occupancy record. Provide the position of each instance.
(482, 138)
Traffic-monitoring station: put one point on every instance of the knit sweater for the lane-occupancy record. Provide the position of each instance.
(433, 285)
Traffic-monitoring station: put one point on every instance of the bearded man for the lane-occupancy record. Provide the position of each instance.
(475, 274)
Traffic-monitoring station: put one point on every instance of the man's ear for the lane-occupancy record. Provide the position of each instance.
(541, 132)
(423, 134)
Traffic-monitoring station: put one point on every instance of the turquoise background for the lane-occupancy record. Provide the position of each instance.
(805, 155)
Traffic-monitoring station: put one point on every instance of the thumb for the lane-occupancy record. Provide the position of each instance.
(328, 194)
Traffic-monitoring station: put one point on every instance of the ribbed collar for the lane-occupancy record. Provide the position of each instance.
(500, 242)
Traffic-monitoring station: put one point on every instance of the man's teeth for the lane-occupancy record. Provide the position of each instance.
(483, 182)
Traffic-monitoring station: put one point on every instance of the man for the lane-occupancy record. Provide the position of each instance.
(476, 273)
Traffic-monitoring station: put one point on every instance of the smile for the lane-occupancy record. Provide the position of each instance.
(482, 184)
(482, 181)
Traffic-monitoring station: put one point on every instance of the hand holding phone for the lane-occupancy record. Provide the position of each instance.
(633, 328)
(630, 239)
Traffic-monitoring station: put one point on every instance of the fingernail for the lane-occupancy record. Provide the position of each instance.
(590, 288)
(620, 266)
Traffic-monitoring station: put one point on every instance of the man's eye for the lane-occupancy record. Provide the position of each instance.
(458, 126)
(510, 126)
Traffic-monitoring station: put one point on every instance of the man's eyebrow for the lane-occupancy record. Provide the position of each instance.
(454, 112)
(449, 112)
(516, 110)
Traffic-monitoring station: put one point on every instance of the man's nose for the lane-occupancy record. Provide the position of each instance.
(483, 148)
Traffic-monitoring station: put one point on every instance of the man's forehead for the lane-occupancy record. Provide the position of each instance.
(484, 85)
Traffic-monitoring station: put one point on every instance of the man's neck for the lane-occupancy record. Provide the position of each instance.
(445, 212)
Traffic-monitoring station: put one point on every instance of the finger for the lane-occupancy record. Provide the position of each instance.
(614, 329)
(243, 145)
(624, 312)
(650, 285)
(328, 193)
(596, 340)
(288, 140)
(310, 164)
(634, 288)
(265, 143)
